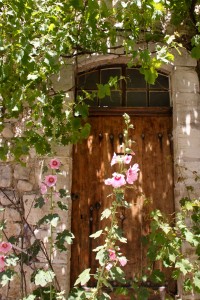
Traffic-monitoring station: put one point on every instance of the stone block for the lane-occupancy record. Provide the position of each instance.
(185, 80)
(62, 151)
(183, 59)
(5, 176)
(21, 172)
(7, 132)
(8, 198)
(24, 186)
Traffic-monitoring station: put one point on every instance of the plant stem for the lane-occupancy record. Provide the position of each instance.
(51, 241)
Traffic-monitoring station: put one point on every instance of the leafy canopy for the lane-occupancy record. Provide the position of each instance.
(41, 37)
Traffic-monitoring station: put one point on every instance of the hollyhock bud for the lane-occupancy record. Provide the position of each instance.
(43, 188)
(2, 263)
(5, 247)
(108, 266)
(132, 174)
(112, 254)
(122, 261)
(50, 180)
(127, 159)
(54, 163)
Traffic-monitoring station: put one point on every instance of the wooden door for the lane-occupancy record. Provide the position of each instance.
(154, 188)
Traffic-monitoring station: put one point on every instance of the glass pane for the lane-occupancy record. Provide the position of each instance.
(134, 79)
(162, 82)
(115, 99)
(90, 102)
(107, 73)
(159, 99)
(88, 81)
(136, 99)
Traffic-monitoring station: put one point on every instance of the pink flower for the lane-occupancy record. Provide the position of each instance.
(50, 180)
(127, 159)
(116, 181)
(43, 188)
(122, 261)
(114, 159)
(112, 254)
(109, 266)
(108, 181)
(5, 247)
(132, 174)
(54, 163)
(2, 263)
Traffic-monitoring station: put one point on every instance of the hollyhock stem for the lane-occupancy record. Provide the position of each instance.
(51, 240)
(109, 244)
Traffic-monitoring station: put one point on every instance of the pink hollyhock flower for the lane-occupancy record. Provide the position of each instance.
(127, 159)
(2, 263)
(108, 266)
(122, 261)
(114, 159)
(116, 181)
(112, 254)
(5, 247)
(132, 173)
(50, 180)
(43, 188)
(54, 163)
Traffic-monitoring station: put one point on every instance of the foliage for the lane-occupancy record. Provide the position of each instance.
(26, 249)
(40, 39)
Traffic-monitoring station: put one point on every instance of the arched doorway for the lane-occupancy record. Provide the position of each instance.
(151, 115)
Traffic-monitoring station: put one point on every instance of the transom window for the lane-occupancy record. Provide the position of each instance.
(132, 91)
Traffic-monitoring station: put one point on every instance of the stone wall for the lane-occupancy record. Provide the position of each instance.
(186, 135)
(19, 187)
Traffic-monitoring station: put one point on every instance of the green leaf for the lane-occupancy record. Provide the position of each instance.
(30, 297)
(63, 193)
(196, 281)
(83, 278)
(118, 274)
(106, 214)
(51, 219)
(12, 260)
(195, 52)
(32, 76)
(62, 205)
(103, 90)
(7, 276)
(184, 265)
(96, 234)
(102, 256)
(104, 296)
(42, 277)
(85, 131)
(64, 237)
(39, 202)
(157, 276)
